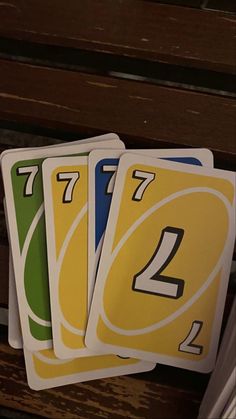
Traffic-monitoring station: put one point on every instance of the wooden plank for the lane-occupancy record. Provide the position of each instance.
(118, 397)
(147, 30)
(144, 115)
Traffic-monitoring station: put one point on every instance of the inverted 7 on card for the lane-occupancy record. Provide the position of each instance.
(66, 209)
(166, 255)
(44, 370)
(102, 170)
(25, 209)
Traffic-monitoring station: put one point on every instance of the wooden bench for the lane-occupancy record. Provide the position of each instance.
(159, 75)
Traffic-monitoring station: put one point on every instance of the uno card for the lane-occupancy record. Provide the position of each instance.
(102, 170)
(65, 183)
(165, 262)
(44, 370)
(24, 201)
(222, 380)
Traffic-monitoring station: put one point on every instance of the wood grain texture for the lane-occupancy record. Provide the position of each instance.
(144, 115)
(133, 28)
(134, 396)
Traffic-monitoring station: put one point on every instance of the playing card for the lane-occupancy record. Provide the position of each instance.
(66, 208)
(165, 262)
(220, 392)
(44, 370)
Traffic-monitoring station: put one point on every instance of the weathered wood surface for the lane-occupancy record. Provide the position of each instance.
(134, 28)
(144, 115)
(169, 393)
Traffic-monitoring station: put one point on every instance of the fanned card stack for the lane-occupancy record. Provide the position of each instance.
(220, 397)
(120, 258)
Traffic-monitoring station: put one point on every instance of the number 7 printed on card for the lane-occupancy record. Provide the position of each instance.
(166, 255)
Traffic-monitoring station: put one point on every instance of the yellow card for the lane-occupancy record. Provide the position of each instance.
(66, 212)
(165, 263)
(45, 370)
